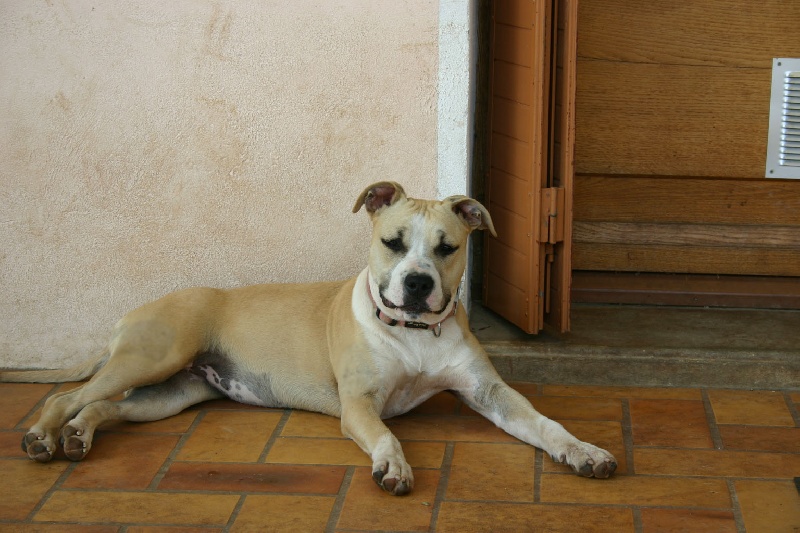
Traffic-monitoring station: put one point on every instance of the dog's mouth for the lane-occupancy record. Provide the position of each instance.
(414, 308)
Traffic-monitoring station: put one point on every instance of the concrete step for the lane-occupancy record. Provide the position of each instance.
(651, 346)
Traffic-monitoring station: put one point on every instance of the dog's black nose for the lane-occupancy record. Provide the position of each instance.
(418, 286)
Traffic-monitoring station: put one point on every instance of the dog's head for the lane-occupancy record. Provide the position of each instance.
(419, 250)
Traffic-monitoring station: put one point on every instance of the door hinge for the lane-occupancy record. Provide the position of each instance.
(552, 213)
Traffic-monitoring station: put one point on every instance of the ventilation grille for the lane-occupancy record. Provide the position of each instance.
(783, 144)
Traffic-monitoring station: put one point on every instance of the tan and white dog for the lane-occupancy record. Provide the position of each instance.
(365, 349)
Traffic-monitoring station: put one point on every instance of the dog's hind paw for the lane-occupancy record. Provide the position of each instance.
(38, 447)
(76, 442)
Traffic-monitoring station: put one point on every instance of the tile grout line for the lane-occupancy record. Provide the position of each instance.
(24, 421)
(176, 450)
(538, 471)
(275, 434)
(67, 471)
(444, 480)
(711, 420)
(53, 488)
(787, 397)
(338, 504)
(261, 459)
(235, 513)
(638, 525)
(738, 518)
(627, 435)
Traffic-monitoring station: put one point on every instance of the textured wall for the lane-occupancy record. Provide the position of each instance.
(148, 146)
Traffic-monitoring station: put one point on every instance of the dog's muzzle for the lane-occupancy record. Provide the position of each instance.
(386, 319)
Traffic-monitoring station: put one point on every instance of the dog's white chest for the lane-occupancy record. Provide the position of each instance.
(415, 371)
(409, 394)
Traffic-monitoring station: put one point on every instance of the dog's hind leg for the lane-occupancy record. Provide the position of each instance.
(132, 364)
(143, 404)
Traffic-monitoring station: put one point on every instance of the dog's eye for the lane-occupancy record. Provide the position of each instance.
(443, 250)
(395, 245)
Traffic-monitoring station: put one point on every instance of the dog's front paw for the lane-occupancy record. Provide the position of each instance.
(389, 467)
(38, 446)
(588, 460)
(394, 477)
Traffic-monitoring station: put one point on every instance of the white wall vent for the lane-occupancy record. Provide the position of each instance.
(783, 143)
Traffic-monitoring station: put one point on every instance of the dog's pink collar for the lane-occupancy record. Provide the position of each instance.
(389, 321)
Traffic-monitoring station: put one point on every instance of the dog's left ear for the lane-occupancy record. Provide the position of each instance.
(379, 195)
(472, 212)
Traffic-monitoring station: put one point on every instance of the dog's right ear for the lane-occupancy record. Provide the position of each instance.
(379, 195)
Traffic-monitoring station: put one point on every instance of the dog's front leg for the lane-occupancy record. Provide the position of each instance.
(361, 422)
(493, 398)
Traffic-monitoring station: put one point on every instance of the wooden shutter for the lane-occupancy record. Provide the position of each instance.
(532, 129)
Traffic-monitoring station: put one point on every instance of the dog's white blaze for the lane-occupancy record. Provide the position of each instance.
(417, 260)
(236, 391)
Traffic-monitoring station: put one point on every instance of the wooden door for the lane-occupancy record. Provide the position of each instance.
(672, 206)
(527, 274)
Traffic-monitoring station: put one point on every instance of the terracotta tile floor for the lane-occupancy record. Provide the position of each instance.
(690, 460)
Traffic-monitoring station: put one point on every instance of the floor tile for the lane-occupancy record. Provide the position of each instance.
(462, 517)
(170, 529)
(636, 490)
(138, 508)
(489, 483)
(757, 408)
(768, 439)
(109, 466)
(652, 393)
(606, 435)
(369, 507)
(283, 513)
(347, 452)
(230, 436)
(578, 408)
(62, 528)
(687, 521)
(526, 388)
(24, 484)
(253, 477)
(317, 452)
(456, 428)
(501, 472)
(715, 463)
(769, 506)
(18, 399)
(11, 444)
(305, 424)
(675, 423)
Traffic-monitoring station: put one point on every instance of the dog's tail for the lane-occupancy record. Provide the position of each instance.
(79, 372)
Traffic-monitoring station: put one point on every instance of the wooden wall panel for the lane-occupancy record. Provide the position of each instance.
(672, 117)
(687, 234)
(726, 260)
(658, 119)
(686, 289)
(691, 200)
(679, 88)
(701, 226)
(698, 32)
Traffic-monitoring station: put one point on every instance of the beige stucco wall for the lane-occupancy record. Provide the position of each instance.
(147, 146)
